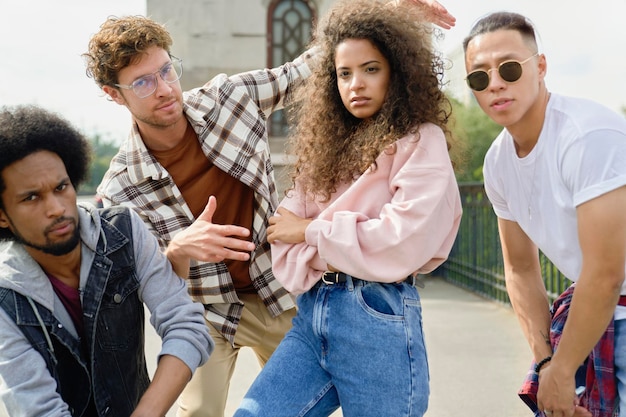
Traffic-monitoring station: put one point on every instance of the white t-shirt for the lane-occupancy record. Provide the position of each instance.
(580, 155)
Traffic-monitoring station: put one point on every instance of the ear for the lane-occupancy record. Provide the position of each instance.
(114, 94)
(543, 66)
(4, 220)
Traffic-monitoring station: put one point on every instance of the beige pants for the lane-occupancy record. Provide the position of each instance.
(205, 395)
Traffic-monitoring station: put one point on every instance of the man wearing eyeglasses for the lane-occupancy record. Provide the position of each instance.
(556, 177)
(197, 169)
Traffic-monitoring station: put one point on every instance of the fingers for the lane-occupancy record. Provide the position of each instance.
(229, 230)
(231, 240)
(437, 13)
(281, 214)
(271, 235)
(284, 212)
(228, 254)
(441, 16)
(575, 411)
(582, 412)
(224, 248)
(209, 210)
(208, 242)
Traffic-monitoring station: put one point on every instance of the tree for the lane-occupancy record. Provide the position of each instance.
(103, 151)
(475, 130)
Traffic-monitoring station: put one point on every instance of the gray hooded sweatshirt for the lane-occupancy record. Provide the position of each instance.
(26, 386)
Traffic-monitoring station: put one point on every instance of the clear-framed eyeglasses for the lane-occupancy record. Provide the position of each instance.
(146, 85)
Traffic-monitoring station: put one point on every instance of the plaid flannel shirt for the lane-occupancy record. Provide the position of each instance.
(229, 115)
(598, 371)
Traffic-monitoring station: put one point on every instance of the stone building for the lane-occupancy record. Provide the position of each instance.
(231, 36)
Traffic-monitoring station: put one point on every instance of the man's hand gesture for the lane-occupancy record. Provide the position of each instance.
(208, 242)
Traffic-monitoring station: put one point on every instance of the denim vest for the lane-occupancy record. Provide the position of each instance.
(108, 367)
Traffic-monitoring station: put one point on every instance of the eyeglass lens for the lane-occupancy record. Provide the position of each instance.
(509, 71)
(170, 72)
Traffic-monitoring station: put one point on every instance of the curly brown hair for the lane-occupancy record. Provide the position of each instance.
(119, 42)
(332, 146)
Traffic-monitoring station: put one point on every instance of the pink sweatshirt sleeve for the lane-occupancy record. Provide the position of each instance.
(400, 219)
(296, 266)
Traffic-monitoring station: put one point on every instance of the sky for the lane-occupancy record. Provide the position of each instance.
(41, 42)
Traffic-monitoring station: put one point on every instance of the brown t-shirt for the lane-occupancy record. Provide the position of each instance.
(197, 179)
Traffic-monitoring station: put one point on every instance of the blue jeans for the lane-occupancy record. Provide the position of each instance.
(620, 363)
(358, 345)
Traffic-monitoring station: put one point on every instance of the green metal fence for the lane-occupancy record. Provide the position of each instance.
(475, 261)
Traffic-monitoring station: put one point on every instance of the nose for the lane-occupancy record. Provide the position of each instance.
(356, 83)
(54, 206)
(495, 81)
(162, 88)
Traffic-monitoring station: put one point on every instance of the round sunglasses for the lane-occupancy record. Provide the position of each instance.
(509, 71)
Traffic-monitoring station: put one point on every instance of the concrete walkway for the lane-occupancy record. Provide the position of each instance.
(477, 356)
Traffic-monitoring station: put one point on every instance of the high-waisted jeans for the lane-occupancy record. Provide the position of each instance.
(358, 345)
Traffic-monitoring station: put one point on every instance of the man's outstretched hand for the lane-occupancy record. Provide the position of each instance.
(206, 241)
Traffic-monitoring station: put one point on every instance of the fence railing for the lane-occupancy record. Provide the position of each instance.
(475, 261)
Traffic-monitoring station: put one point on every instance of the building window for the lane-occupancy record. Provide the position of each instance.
(289, 31)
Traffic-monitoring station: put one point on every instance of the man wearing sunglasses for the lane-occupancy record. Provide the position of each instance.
(187, 153)
(556, 177)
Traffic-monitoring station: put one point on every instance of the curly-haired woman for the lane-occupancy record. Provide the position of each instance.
(374, 202)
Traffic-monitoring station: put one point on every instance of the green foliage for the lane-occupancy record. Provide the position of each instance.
(475, 130)
(103, 151)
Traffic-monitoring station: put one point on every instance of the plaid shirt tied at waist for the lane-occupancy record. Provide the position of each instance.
(600, 396)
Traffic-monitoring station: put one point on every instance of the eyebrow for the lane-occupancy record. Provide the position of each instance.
(151, 73)
(26, 193)
(373, 61)
(506, 57)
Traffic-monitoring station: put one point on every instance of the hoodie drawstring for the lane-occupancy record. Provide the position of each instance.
(45, 330)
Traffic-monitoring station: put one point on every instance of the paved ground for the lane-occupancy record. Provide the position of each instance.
(477, 354)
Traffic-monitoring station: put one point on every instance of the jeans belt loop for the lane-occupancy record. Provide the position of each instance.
(411, 280)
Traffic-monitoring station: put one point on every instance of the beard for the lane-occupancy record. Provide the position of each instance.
(52, 248)
(162, 121)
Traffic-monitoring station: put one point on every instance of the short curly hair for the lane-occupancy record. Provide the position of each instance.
(27, 129)
(331, 145)
(119, 43)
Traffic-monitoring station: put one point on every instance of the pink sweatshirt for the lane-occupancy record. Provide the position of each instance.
(398, 220)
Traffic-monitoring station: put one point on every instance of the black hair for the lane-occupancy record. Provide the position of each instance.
(26, 129)
(503, 21)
